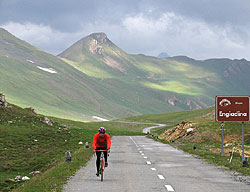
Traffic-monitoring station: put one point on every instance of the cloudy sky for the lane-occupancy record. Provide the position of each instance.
(200, 29)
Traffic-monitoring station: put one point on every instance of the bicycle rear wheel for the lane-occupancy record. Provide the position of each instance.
(102, 169)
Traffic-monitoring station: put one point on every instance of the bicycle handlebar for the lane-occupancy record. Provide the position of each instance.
(101, 150)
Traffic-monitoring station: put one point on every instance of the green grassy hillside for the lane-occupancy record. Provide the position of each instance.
(27, 144)
(68, 93)
(96, 78)
(180, 81)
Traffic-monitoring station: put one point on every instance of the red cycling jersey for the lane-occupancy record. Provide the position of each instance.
(98, 141)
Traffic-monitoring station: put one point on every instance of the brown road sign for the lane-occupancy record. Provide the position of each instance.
(232, 108)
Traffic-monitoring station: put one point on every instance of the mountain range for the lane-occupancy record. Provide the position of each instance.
(94, 79)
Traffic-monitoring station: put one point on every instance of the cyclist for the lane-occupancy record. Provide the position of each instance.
(101, 141)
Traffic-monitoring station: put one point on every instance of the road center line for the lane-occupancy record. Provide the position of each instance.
(161, 177)
(153, 169)
(142, 153)
(145, 157)
(169, 187)
(133, 141)
(148, 162)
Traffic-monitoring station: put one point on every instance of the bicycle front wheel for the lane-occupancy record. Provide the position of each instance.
(102, 169)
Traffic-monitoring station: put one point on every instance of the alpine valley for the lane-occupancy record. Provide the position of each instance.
(95, 79)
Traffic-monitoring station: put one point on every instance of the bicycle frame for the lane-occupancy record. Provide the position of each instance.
(101, 163)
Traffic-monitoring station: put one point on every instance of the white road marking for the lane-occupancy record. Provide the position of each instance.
(161, 177)
(133, 140)
(169, 187)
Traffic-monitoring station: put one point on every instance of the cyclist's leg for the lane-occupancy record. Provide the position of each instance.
(98, 155)
(106, 156)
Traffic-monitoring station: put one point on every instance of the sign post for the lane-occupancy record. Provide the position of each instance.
(232, 108)
(222, 138)
(242, 141)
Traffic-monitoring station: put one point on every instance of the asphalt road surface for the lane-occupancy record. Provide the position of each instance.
(147, 130)
(139, 164)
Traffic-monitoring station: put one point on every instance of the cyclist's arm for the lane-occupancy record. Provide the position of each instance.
(94, 142)
(108, 142)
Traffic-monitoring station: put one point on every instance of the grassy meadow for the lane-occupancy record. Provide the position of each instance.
(27, 144)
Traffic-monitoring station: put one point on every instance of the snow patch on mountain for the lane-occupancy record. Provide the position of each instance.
(99, 118)
(50, 70)
(30, 61)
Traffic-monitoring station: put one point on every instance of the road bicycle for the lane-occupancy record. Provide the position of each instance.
(102, 164)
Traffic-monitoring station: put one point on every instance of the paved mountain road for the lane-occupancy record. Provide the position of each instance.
(147, 129)
(139, 164)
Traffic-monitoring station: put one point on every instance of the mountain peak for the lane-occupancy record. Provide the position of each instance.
(99, 37)
(163, 55)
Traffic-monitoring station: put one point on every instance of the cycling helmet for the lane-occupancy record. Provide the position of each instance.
(102, 130)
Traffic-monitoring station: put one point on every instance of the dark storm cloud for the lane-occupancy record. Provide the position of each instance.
(66, 15)
(197, 28)
(215, 11)
(62, 14)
